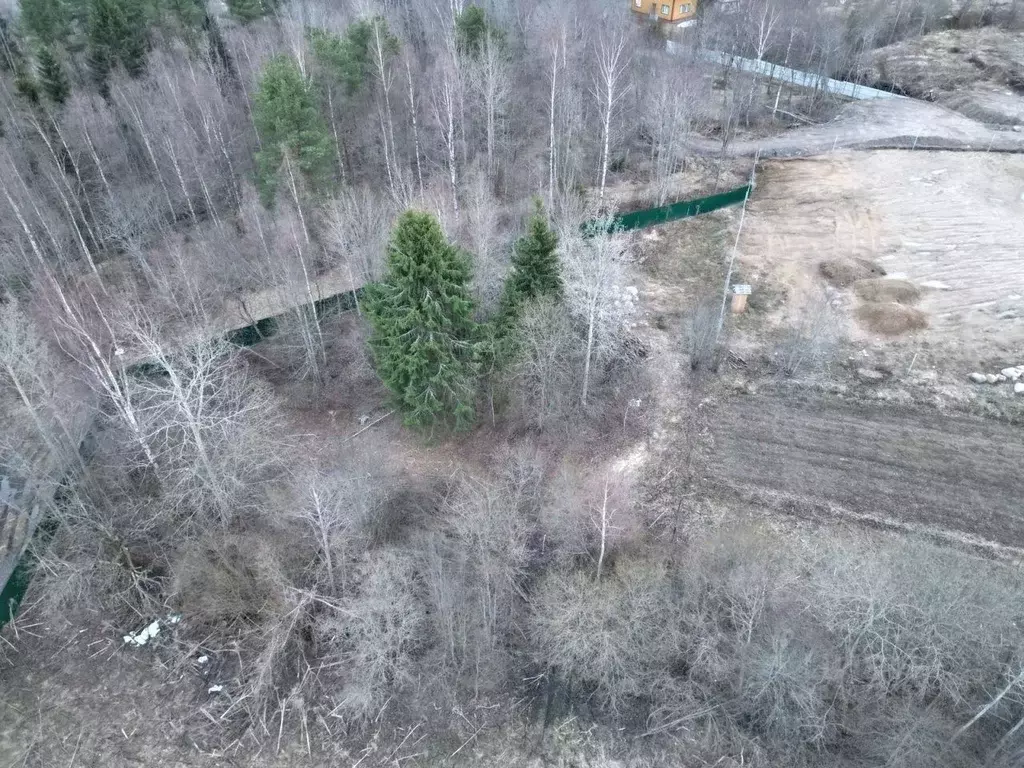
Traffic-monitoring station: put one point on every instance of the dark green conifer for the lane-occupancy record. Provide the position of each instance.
(52, 78)
(288, 121)
(424, 339)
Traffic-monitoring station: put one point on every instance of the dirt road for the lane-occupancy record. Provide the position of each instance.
(881, 124)
(954, 476)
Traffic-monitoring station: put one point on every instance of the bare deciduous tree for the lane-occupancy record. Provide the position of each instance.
(609, 89)
(597, 292)
(447, 98)
(489, 80)
(543, 371)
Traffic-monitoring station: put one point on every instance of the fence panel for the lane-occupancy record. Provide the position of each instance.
(652, 217)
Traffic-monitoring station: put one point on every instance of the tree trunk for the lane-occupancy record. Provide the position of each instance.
(591, 319)
(415, 126)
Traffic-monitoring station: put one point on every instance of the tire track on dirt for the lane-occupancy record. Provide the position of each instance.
(912, 466)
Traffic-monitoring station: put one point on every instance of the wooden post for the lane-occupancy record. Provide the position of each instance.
(739, 298)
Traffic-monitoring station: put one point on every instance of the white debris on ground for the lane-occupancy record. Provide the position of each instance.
(1012, 373)
(144, 635)
(215, 689)
(629, 297)
(870, 374)
(150, 631)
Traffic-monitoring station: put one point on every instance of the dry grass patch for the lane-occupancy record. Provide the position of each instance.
(887, 290)
(845, 272)
(891, 319)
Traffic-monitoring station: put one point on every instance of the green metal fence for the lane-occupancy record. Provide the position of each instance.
(652, 217)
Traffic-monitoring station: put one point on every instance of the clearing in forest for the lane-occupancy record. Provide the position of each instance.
(950, 223)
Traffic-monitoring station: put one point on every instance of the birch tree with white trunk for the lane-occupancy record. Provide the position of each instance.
(597, 292)
(490, 80)
(214, 426)
(609, 89)
(446, 101)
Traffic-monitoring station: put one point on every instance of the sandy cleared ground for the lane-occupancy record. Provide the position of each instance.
(950, 222)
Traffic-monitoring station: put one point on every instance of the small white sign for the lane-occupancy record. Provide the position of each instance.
(741, 290)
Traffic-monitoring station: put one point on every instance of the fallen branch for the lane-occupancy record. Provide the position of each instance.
(371, 424)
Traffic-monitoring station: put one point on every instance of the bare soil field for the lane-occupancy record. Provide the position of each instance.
(900, 456)
(917, 469)
(950, 223)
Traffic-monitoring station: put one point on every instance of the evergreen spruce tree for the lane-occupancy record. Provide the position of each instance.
(535, 269)
(288, 121)
(52, 78)
(348, 59)
(424, 336)
(48, 21)
(13, 60)
(472, 29)
(184, 18)
(117, 32)
(250, 10)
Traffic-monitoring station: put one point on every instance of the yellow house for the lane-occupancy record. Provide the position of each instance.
(668, 11)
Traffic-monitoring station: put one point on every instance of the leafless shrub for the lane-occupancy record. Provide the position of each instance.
(751, 639)
(102, 556)
(563, 517)
(222, 579)
(908, 622)
(917, 738)
(241, 588)
(377, 635)
(487, 241)
(703, 341)
(521, 474)
(391, 515)
(214, 429)
(544, 372)
(589, 514)
(616, 636)
(812, 341)
(333, 507)
(475, 566)
(598, 297)
(357, 226)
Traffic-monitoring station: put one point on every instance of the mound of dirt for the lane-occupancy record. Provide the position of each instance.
(887, 290)
(845, 272)
(890, 319)
(977, 72)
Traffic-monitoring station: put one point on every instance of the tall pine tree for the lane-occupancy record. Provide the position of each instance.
(424, 336)
(535, 269)
(288, 121)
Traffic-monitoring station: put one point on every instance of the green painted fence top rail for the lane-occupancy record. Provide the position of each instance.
(651, 217)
